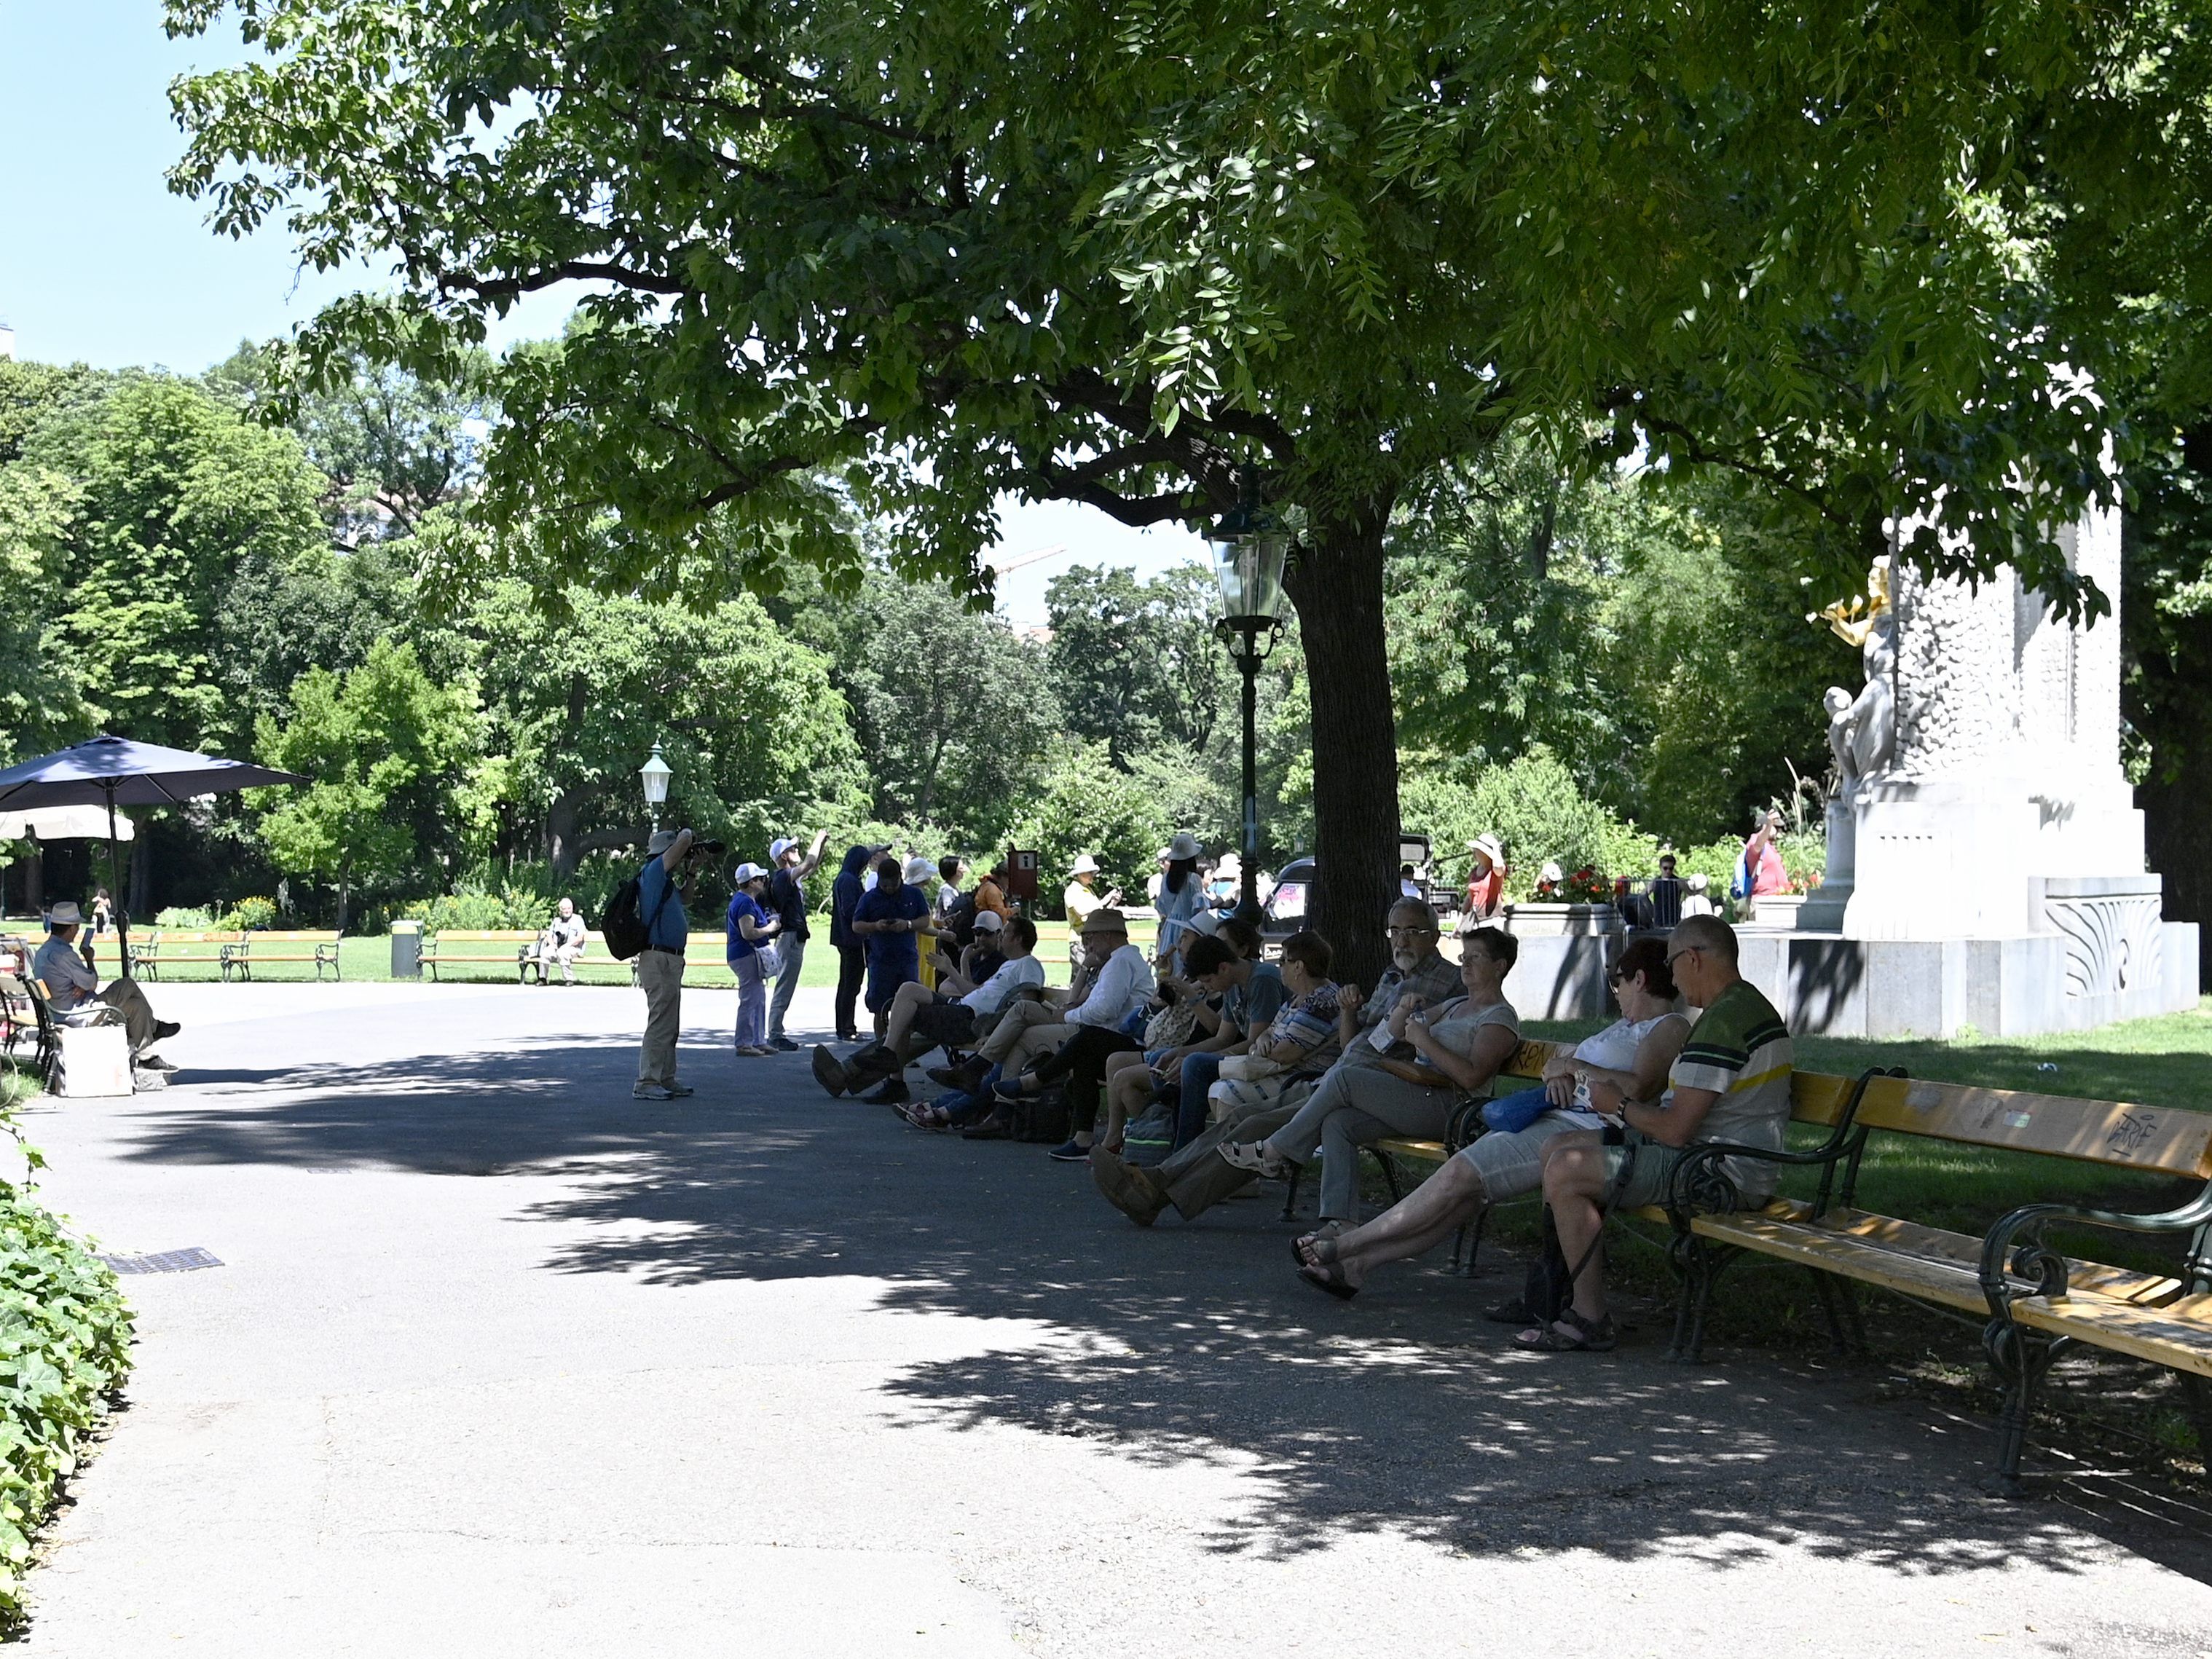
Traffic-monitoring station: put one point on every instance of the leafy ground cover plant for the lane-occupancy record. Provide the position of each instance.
(65, 1336)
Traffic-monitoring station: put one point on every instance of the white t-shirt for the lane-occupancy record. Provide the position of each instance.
(1124, 980)
(993, 993)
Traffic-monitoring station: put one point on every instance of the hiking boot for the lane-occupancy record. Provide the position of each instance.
(967, 1076)
(829, 1071)
(1129, 1189)
(893, 1093)
(997, 1126)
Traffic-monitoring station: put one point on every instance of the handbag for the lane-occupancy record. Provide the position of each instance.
(1250, 1068)
(1511, 1113)
(770, 957)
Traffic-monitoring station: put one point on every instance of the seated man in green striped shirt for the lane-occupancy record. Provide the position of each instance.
(1730, 1083)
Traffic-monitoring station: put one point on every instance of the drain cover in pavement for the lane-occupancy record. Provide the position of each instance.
(164, 1261)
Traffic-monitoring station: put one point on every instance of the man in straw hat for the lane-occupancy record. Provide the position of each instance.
(72, 984)
(1079, 898)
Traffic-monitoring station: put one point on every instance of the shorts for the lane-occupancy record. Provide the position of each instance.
(946, 1020)
(1511, 1164)
(1645, 1171)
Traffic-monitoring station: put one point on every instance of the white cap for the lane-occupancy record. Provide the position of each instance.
(747, 871)
(778, 848)
(988, 921)
(918, 870)
(1207, 922)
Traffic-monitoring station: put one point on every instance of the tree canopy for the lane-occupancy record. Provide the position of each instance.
(920, 255)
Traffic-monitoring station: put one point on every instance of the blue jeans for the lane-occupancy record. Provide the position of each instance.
(1199, 1073)
(752, 1001)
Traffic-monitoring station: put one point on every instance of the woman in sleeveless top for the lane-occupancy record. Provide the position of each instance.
(1637, 1049)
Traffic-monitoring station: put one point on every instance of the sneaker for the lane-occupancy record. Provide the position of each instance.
(755, 1050)
(678, 1090)
(829, 1071)
(1129, 1189)
(1069, 1151)
(166, 1029)
(651, 1091)
(893, 1093)
(153, 1063)
(783, 1045)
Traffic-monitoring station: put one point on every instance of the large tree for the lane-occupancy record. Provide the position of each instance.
(955, 249)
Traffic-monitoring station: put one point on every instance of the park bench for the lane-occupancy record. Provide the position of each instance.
(173, 947)
(256, 949)
(24, 1015)
(509, 947)
(2032, 1300)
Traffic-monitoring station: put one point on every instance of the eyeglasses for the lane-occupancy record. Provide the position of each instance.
(1415, 932)
(1687, 950)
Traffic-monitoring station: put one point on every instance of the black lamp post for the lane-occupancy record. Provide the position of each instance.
(1250, 547)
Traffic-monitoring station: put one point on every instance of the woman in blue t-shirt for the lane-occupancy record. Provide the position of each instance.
(888, 918)
(750, 927)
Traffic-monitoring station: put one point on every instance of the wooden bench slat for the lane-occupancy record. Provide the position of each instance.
(2089, 1131)
(2178, 1334)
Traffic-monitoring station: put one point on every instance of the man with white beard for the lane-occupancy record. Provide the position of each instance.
(1195, 1177)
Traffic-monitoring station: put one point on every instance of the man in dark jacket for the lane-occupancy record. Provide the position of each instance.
(851, 951)
(787, 898)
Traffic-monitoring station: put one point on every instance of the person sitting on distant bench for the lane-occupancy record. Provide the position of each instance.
(561, 944)
(73, 984)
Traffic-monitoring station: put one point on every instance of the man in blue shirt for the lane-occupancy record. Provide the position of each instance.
(887, 920)
(660, 964)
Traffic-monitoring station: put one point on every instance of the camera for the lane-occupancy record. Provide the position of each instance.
(709, 849)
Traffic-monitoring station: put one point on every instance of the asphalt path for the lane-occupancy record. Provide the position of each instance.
(500, 1361)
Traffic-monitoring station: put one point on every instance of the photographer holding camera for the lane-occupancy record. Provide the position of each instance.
(660, 964)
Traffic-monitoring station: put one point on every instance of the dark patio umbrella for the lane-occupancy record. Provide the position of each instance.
(113, 772)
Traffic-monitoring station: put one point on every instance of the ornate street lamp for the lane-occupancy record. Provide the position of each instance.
(1250, 547)
(654, 774)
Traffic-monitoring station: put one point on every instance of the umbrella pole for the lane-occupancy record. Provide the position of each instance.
(115, 885)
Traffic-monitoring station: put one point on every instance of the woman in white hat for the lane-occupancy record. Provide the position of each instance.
(1080, 897)
(750, 929)
(1182, 894)
(1485, 880)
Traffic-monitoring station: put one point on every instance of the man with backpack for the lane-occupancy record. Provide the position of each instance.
(660, 963)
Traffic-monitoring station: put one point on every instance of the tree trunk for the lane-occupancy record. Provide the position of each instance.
(140, 900)
(563, 846)
(1337, 587)
(344, 887)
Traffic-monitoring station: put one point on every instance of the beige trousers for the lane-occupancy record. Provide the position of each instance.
(1025, 1031)
(660, 976)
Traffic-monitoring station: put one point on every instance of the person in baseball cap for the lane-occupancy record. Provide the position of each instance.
(790, 862)
(72, 983)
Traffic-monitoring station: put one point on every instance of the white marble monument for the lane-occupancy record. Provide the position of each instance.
(1985, 858)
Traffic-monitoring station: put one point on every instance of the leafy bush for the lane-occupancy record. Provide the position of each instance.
(472, 909)
(250, 913)
(65, 1346)
(189, 917)
(1087, 804)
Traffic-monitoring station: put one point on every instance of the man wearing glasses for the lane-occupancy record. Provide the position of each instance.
(1195, 1177)
(1731, 1083)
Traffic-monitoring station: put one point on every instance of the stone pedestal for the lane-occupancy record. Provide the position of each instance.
(1565, 952)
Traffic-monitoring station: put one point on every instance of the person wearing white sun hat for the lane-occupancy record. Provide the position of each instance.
(73, 984)
(1079, 898)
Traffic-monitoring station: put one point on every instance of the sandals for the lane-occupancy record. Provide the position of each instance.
(1322, 1242)
(1253, 1155)
(1329, 1279)
(1581, 1336)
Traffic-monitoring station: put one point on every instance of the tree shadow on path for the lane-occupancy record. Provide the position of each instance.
(1403, 1412)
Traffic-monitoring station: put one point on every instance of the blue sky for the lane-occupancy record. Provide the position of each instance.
(99, 264)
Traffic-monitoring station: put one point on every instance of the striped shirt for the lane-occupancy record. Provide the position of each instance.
(1740, 1050)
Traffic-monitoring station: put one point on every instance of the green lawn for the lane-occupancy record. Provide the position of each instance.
(371, 959)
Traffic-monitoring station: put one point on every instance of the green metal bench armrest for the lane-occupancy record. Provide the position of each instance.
(2014, 1247)
(1699, 1184)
